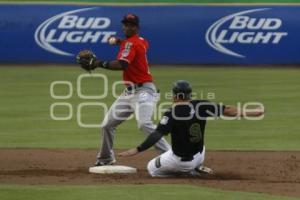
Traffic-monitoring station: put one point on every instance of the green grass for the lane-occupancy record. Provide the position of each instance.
(163, 1)
(25, 106)
(128, 192)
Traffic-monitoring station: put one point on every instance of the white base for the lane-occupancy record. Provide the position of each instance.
(111, 169)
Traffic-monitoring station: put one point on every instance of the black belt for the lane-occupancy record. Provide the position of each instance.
(135, 86)
(187, 159)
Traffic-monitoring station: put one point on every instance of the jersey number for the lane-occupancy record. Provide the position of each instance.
(195, 133)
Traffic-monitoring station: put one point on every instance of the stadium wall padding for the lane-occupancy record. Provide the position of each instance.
(178, 34)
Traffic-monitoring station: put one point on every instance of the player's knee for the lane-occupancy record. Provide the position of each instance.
(108, 124)
(105, 126)
(108, 128)
(150, 168)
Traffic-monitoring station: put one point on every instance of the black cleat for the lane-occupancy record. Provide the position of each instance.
(103, 163)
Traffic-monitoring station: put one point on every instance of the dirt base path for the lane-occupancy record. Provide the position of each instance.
(276, 173)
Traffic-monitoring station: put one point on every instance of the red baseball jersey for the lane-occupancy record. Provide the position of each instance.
(133, 50)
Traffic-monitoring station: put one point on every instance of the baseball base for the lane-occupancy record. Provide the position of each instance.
(112, 169)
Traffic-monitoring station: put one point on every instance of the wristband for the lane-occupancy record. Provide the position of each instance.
(104, 64)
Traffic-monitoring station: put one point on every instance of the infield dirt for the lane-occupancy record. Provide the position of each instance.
(276, 173)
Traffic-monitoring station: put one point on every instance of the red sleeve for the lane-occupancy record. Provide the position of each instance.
(127, 52)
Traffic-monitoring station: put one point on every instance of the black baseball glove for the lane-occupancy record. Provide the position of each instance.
(87, 60)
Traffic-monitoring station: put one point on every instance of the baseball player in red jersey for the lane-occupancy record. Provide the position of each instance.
(139, 96)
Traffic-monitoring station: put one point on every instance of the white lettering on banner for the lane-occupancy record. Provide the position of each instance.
(244, 30)
(72, 29)
(78, 36)
(249, 37)
(73, 21)
(242, 22)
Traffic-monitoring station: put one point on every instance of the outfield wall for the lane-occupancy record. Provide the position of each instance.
(179, 34)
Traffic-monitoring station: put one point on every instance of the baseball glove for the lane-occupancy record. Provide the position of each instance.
(87, 60)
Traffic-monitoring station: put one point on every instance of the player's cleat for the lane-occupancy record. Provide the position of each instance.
(103, 163)
(204, 170)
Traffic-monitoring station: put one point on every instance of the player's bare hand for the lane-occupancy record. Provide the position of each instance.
(130, 152)
(112, 40)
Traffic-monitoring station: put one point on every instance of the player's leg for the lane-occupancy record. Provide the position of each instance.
(199, 168)
(118, 112)
(163, 166)
(199, 158)
(168, 164)
(144, 105)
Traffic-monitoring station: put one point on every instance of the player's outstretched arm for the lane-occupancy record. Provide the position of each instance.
(232, 111)
(88, 61)
(149, 142)
(112, 65)
(130, 152)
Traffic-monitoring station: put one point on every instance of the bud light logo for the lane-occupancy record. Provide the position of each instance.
(72, 28)
(240, 28)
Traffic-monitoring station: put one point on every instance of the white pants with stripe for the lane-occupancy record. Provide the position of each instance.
(168, 164)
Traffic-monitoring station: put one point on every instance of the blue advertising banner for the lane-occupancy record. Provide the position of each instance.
(178, 34)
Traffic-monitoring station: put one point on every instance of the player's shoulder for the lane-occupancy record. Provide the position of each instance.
(138, 40)
(199, 101)
(166, 117)
(142, 39)
(202, 104)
